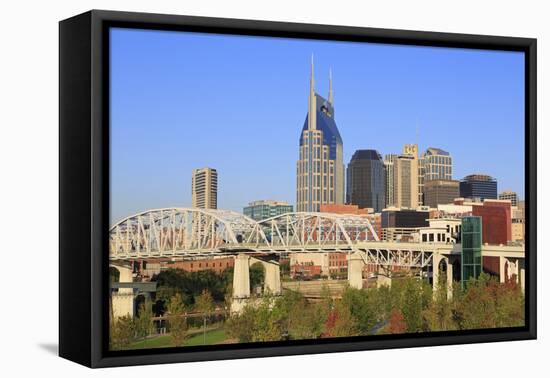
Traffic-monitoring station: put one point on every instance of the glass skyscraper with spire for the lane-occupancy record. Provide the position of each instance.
(320, 168)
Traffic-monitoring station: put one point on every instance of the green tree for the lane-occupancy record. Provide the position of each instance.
(340, 322)
(205, 304)
(241, 326)
(257, 275)
(360, 304)
(144, 323)
(176, 320)
(269, 320)
(122, 332)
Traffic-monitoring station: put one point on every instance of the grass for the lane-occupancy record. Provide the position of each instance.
(212, 337)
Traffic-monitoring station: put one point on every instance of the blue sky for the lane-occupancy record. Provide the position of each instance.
(236, 103)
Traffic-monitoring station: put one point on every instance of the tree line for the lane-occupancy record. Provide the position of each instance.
(408, 306)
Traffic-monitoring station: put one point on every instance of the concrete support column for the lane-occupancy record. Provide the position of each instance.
(272, 282)
(355, 270)
(515, 270)
(502, 273)
(241, 277)
(123, 300)
(241, 283)
(436, 259)
(449, 279)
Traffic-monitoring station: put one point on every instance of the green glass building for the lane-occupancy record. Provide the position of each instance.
(259, 210)
(471, 248)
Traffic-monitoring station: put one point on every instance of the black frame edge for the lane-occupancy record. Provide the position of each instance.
(75, 334)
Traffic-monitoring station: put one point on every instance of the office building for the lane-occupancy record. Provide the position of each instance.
(263, 209)
(497, 220)
(440, 192)
(366, 180)
(478, 186)
(518, 223)
(389, 161)
(400, 225)
(434, 164)
(405, 178)
(204, 188)
(509, 195)
(438, 165)
(320, 168)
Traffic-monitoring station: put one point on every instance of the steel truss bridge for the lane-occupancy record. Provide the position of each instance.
(192, 233)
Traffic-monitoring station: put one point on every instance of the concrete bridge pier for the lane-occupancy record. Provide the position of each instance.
(122, 301)
(272, 282)
(241, 280)
(440, 262)
(512, 268)
(241, 283)
(355, 270)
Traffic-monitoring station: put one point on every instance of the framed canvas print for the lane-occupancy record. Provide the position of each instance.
(234, 188)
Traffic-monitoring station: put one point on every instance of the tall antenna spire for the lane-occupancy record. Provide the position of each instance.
(330, 94)
(312, 105)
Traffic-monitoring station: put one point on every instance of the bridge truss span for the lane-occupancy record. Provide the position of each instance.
(193, 232)
(181, 232)
(307, 230)
(398, 257)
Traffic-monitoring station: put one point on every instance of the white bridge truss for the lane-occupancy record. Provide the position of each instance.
(195, 233)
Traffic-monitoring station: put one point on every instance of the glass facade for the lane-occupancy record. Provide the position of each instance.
(366, 180)
(471, 248)
(478, 186)
(260, 210)
(320, 168)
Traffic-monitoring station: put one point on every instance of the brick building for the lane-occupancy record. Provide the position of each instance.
(218, 265)
(496, 218)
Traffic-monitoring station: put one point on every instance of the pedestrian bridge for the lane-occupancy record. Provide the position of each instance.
(192, 232)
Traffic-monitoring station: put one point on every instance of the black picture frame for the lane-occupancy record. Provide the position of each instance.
(84, 186)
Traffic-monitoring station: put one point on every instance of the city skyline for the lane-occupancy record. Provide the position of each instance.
(163, 131)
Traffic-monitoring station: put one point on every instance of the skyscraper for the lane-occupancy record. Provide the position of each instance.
(389, 161)
(405, 178)
(478, 186)
(366, 180)
(438, 164)
(204, 188)
(320, 168)
(434, 164)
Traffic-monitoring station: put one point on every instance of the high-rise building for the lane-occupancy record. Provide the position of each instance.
(320, 168)
(263, 209)
(478, 186)
(405, 178)
(366, 180)
(204, 188)
(389, 165)
(509, 195)
(438, 164)
(434, 164)
(440, 192)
